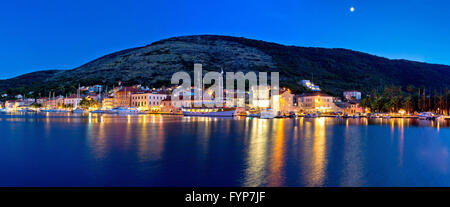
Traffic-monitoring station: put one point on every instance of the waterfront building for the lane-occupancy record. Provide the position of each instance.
(187, 101)
(54, 103)
(148, 101)
(13, 104)
(239, 96)
(72, 101)
(260, 96)
(108, 103)
(28, 101)
(168, 107)
(41, 101)
(286, 102)
(9, 104)
(352, 95)
(316, 102)
(352, 107)
(122, 96)
(95, 97)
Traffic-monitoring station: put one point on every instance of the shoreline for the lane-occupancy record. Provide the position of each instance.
(181, 114)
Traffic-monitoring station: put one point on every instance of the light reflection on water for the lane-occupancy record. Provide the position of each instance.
(257, 159)
(157, 150)
(352, 169)
(319, 157)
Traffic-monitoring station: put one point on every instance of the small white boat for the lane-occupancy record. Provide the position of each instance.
(54, 110)
(122, 110)
(217, 112)
(99, 112)
(78, 111)
(25, 110)
(426, 116)
(253, 115)
(267, 114)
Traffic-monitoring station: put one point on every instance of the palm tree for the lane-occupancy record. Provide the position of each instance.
(407, 104)
(446, 101)
(440, 104)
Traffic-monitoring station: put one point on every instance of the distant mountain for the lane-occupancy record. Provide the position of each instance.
(334, 70)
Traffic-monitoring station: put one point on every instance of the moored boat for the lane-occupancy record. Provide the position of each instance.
(267, 114)
(426, 116)
(78, 111)
(54, 111)
(252, 115)
(218, 112)
(313, 115)
(292, 115)
(98, 111)
(122, 110)
(25, 110)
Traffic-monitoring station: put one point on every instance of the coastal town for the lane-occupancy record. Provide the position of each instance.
(138, 99)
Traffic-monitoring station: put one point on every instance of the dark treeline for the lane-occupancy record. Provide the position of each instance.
(411, 99)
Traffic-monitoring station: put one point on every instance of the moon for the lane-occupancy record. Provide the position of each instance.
(352, 9)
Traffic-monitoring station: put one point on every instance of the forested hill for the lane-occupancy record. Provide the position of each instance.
(334, 70)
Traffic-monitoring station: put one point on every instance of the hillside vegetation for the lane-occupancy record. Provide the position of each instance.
(334, 70)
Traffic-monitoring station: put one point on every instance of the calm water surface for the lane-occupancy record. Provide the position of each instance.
(155, 150)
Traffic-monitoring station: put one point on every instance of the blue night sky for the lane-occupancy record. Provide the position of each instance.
(41, 35)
